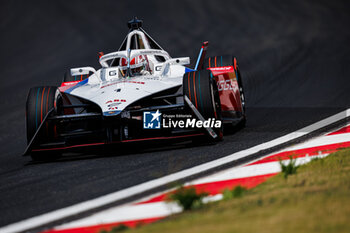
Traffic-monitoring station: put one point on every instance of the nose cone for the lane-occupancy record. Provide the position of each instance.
(115, 97)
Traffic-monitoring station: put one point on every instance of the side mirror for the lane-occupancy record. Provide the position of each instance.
(82, 71)
(174, 61)
(179, 61)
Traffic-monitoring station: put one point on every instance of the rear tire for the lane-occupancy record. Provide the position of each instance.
(218, 61)
(40, 101)
(201, 89)
(228, 60)
(241, 90)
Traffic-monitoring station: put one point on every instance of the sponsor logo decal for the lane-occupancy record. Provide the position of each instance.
(113, 104)
(227, 84)
(151, 78)
(151, 120)
(191, 123)
(111, 84)
(115, 100)
(222, 68)
(157, 120)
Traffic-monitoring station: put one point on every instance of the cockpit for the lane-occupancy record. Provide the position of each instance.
(138, 54)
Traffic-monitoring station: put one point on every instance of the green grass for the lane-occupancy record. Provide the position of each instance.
(316, 199)
(289, 169)
(236, 192)
(117, 229)
(188, 198)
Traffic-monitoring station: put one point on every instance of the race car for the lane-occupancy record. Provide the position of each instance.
(140, 93)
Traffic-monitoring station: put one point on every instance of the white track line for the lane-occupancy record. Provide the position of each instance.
(130, 212)
(125, 213)
(122, 194)
(252, 170)
(322, 141)
(163, 209)
(244, 171)
(239, 172)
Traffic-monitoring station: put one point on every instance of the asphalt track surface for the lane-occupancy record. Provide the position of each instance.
(294, 58)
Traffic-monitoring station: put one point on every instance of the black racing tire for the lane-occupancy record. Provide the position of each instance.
(69, 78)
(201, 89)
(40, 101)
(241, 89)
(218, 61)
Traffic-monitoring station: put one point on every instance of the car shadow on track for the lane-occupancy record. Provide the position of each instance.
(138, 148)
(124, 150)
(134, 149)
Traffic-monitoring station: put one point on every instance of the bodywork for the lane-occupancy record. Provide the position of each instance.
(107, 107)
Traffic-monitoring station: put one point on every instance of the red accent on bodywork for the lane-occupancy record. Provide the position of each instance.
(66, 101)
(225, 77)
(69, 83)
(69, 147)
(66, 85)
(221, 70)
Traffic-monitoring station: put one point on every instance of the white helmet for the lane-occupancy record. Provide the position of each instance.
(138, 65)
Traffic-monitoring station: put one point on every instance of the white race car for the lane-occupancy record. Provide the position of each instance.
(140, 93)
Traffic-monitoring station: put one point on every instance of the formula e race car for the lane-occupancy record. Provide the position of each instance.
(140, 93)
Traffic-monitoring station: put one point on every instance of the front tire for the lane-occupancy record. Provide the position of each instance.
(201, 89)
(40, 101)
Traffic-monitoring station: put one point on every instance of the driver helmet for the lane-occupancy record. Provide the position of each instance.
(138, 65)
